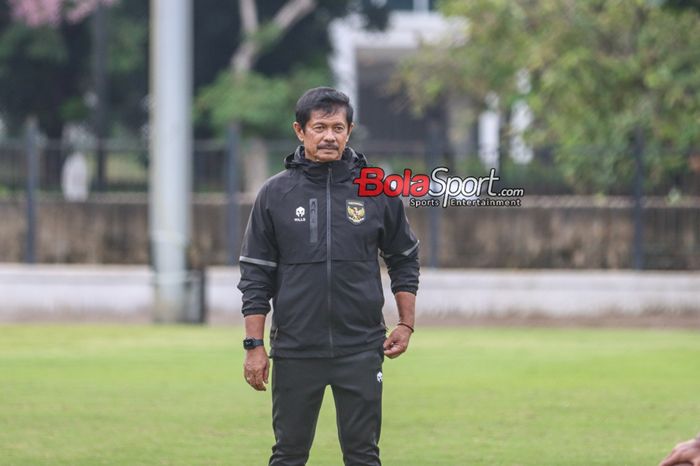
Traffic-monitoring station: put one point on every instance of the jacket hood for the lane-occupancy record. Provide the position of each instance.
(348, 166)
(297, 159)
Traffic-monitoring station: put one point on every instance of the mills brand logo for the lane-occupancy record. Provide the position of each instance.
(300, 212)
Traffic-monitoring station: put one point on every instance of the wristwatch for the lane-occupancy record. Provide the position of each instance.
(250, 343)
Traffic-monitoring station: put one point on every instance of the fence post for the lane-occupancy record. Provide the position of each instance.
(100, 78)
(232, 190)
(638, 245)
(32, 148)
(433, 148)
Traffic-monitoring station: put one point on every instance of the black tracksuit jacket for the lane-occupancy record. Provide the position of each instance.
(311, 245)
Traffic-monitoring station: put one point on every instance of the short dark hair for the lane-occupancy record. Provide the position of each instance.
(326, 99)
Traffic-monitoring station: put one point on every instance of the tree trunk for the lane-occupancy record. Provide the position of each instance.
(247, 53)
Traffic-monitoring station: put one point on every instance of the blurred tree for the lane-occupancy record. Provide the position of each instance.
(265, 73)
(37, 13)
(681, 4)
(593, 73)
(128, 67)
(45, 62)
(41, 72)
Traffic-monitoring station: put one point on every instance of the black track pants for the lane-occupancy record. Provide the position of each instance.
(297, 393)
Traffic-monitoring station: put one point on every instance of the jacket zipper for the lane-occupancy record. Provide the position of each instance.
(313, 220)
(328, 255)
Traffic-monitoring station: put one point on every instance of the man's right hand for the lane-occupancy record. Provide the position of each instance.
(256, 368)
(685, 453)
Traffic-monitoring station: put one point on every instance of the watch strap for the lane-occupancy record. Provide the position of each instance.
(250, 343)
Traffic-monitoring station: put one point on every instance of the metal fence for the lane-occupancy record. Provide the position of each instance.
(125, 166)
(126, 162)
(228, 167)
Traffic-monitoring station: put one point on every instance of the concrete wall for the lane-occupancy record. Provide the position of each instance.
(124, 294)
(577, 233)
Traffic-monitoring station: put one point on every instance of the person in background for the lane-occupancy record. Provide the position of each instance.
(685, 453)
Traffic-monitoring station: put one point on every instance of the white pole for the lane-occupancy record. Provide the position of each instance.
(170, 156)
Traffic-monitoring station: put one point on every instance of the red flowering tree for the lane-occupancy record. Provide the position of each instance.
(37, 13)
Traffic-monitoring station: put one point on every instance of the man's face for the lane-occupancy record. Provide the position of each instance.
(325, 135)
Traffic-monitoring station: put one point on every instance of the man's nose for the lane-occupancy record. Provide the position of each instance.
(328, 135)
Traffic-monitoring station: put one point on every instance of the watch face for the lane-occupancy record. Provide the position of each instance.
(250, 343)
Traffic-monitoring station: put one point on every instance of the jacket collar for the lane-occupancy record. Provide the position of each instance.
(341, 170)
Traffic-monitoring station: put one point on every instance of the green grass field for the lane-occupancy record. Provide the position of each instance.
(138, 395)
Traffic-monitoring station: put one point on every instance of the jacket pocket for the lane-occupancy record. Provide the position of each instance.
(300, 310)
(357, 297)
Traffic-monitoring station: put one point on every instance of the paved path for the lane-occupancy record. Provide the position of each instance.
(123, 293)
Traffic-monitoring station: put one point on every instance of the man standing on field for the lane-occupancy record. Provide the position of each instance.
(311, 245)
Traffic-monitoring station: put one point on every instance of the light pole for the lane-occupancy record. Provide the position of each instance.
(170, 173)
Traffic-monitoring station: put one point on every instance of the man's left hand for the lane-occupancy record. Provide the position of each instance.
(397, 342)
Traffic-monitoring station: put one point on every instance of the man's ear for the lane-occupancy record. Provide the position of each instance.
(299, 131)
(350, 128)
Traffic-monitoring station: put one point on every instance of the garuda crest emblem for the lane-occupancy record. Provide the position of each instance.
(355, 211)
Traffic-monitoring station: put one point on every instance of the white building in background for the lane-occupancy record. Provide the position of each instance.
(521, 118)
(489, 128)
(364, 61)
(358, 51)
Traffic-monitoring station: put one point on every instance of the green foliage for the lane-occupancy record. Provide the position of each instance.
(127, 64)
(47, 71)
(154, 395)
(263, 105)
(39, 70)
(74, 109)
(45, 44)
(598, 71)
(268, 35)
(128, 40)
